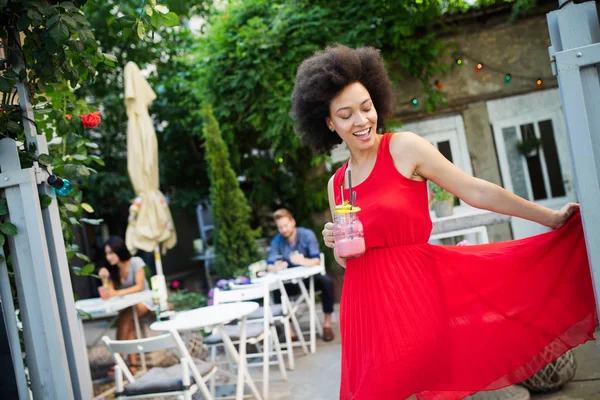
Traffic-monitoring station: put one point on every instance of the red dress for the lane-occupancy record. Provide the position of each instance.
(444, 322)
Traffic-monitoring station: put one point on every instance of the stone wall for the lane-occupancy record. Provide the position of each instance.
(518, 48)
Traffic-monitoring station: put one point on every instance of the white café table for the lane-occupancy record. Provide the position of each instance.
(98, 308)
(215, 317)
(297, 275)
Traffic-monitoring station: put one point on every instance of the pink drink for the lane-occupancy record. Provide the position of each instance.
(348, 248)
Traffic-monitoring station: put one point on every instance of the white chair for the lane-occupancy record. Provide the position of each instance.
(303, 300)
(181, 380)
(283, 313)
(258, 330)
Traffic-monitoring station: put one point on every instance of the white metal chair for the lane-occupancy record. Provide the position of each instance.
(258, 330)
(181, 380)
(283, 313)
(303, 300)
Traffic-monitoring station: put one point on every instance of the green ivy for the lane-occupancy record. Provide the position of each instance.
(60, 54)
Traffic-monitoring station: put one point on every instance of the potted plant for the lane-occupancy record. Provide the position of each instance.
(529, 145)
(442, 201)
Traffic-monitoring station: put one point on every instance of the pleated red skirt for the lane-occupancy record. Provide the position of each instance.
(444, 322)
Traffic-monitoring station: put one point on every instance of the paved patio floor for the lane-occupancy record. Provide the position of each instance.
(316, 376)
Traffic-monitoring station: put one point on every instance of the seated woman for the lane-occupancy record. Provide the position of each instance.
(125, 275)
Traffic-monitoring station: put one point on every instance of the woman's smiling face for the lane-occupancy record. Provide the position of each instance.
(353, 117)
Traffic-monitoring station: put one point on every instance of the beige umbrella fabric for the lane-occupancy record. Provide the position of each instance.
(150, 222)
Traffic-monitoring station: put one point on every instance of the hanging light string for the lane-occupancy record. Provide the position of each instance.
(480, 66)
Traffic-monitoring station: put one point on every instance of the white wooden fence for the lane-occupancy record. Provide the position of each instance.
(575, 56)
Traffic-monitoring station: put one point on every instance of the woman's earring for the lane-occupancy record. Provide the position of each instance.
(331, 129)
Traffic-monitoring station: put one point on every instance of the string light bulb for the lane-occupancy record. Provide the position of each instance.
(61, 186)
(414, 102)
(539, 82)
(459, 62)
(507, 78)
(439, 85)
(479, 67)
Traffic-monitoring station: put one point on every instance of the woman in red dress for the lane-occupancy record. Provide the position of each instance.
(426, 321)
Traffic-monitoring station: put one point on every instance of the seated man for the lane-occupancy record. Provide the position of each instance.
(298, 246)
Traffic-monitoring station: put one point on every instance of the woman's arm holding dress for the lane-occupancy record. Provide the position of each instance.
(430, 164)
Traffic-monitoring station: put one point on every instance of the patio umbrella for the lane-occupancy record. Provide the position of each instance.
(150, 226)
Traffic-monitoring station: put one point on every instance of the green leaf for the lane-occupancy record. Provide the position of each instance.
(91, 145)
(10, 74)
(14, 127)
(148, 10)
(45, 201)
(2, 241)
(67, 5)
(70, 169)
(76, 270)
(79, 157)
(156, 20)
(172, 19)
(88, 269)
(87, 37)
(8, 229)
(72, 207)
(110, 57)
(141, 31)
(82, 256)
(59, 33)
(78, 196)
(81, 20)
(97, 160)
(5, 85)
(127, 32)
(87, 207)
(46, 159)
(3, 207)
(24, 22)
(53, 20)
(162, 9)
(70, 22)
(83, 171)
(91, 221)
(63, 126)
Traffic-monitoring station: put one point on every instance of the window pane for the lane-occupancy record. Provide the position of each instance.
(552, 162)
(444, 148)
(534, 166)
(515, 164)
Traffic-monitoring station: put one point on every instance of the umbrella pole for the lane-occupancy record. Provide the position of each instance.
(161, 282)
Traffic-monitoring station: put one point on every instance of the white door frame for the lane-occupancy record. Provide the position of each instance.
(437, 128)
(530, 109)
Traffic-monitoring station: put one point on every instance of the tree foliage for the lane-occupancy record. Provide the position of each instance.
(234, 239)
(175, 111)
(60, 54)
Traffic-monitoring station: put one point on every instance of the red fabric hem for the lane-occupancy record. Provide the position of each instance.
(577, 335)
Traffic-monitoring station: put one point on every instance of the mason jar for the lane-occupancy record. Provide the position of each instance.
(348, 233)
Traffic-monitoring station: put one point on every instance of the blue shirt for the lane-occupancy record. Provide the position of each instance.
(306, 244)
